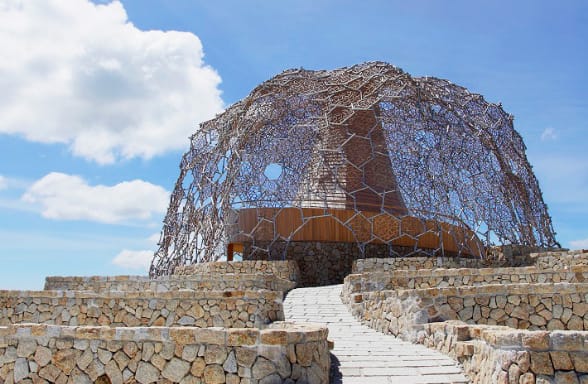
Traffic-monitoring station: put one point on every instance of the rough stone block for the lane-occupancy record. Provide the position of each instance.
(198, 366)
(262, 368)
(566, 377)
(230, 364)
(245, 356)
(65, 359)
(215, 354)
(147, 373)
(561, 360)
(541, 363)
(580, 360)
(175, 370)
(237, 337)
(536, 341)
(274, 337)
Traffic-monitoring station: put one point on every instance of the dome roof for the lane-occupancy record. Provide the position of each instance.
(367, 151)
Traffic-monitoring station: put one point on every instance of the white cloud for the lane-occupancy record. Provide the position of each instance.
(69, 197)
(79, 73)
(3, 183)
(579, 244)
(548, 134)
(133, 259)
(137, 259)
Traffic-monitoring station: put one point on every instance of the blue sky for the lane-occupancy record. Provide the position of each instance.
(97, 101)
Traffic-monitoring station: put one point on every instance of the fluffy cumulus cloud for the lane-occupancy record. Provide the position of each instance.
(69, 197)
(579, 244)
(139, 260)
(80, 73)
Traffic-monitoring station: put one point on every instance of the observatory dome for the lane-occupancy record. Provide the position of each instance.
(364, 161)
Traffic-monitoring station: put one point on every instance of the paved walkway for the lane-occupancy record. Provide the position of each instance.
(362, 355)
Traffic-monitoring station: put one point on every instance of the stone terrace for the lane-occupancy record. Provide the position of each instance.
(220, 323)
(218, 326)
(552, 295)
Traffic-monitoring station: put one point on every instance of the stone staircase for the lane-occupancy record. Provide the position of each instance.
(362, 355)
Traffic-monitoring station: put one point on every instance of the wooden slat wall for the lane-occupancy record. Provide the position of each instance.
(334, 225)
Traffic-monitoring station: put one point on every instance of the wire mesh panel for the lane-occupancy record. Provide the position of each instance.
(365, 155)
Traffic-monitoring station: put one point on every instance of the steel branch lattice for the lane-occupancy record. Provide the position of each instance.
(377, 155)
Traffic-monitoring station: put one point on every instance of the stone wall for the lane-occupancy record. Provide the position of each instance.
(430, 278)
(233, 309)
(208, 282)
(319, 263)
(501, 355)
(417, 262)
(559, 306)
(283, 353)
(322, 263)
(549, 301)
(283, 269)
(501, 257)
(560, 260)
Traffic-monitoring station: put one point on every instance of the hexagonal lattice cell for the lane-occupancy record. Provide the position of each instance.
(365, 160)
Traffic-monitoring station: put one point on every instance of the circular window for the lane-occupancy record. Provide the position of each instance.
(273, 171)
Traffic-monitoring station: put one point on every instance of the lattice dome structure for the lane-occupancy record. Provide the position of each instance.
(366, 155)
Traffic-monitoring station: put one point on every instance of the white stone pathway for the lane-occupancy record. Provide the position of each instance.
(362, 355)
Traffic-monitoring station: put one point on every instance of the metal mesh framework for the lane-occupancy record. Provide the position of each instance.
(366, 154)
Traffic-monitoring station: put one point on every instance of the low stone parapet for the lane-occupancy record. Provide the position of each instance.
(237, 309)
(560, 306)
(419, 262)
(283, 353)
(494, 354)
(441, 278)
(560, 260)
(287, 269)
(548, 260)
(208, 282)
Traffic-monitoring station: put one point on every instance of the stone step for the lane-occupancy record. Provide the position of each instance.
(362, 355)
